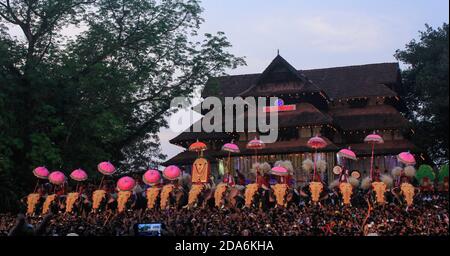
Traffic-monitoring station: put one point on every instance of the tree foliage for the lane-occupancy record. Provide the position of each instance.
(426, 84)
(73, 101)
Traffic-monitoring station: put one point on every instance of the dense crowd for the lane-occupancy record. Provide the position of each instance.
(428, 216)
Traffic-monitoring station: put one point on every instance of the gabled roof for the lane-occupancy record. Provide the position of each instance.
(283, 74)
(367, 118)
(280, 65)
(369, 80)
(357, 81)
(190, 136)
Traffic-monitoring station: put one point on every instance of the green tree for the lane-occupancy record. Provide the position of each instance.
(73, 101)
(426, 84)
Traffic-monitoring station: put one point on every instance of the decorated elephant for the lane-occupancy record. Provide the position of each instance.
(403, 185)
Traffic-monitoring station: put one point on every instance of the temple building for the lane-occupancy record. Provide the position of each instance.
(342, 104)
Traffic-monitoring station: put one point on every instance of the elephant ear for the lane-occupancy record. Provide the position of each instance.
(443, 173)
(425, 171)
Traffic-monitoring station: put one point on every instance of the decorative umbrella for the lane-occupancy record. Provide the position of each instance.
(198, 147)
(126, 183)
(171, 172)
(425, 172)
(316, 143)
(151, 177)
(443, 173)
(373, 139)
(256, 144)
(56, 178)
(347, 153)
(107, 169)
(40, 173)
(79, 175)
(230, 148)
(279, 171)
(406, 158)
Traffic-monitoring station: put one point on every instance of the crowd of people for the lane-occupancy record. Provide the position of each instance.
(428, 216)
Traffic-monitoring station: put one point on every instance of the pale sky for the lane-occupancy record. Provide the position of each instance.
(316, 34)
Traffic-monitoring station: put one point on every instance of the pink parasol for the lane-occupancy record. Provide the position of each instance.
(316, 143)
(126, 183)
(256, 144)
(406, 158)
(171, 172)
(279, 171)
(230, 148)
(106, 168)
(151, 177)
(347, 153)
(57, 178)
(79, 175)
(41, 172)
(373, 139)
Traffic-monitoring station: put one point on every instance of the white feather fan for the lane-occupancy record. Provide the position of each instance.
(307, 165)
(366, 183)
